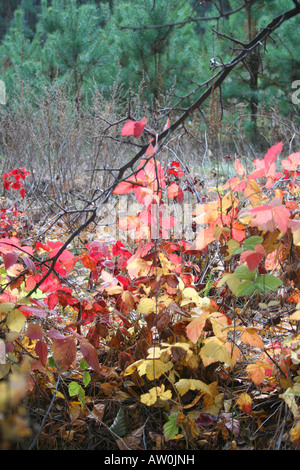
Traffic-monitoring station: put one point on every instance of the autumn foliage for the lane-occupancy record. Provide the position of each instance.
(195, 341)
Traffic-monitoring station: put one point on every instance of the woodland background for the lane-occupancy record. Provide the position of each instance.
(75, 72)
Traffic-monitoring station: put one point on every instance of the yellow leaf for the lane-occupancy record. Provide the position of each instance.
(295, 315)
(231, 246)
(154, 352)
(229, 201)
(215, 406)
(233, 351)
(214, 350)
(146, 306)
(184, 385)
(138, 267)
(166, 263)
(114, 290)
(295, 434)
(74, 410)
(6, 307)
(154, 368)
(219, 321)
(130, 369)
(290, 400)
(154, 393)
(15, 320)
(252, 192)
(189, 293)
(231, 280)
(296, 237)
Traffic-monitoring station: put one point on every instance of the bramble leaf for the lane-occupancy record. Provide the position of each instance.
(135, 128)
(154, 393)
(64, 352)
(184, 385)
(267, 283)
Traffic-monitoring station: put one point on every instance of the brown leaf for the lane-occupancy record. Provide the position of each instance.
(64, 352)
(132, 441)
(97, 412)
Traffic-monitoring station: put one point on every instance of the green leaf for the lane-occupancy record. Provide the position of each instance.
(119, 426)
(86, 378)
(84, 365)
(51, 362)
(267, 283)
(251, 242)
(76, 389)
(245, 288)
(243, 272)
(170, 427)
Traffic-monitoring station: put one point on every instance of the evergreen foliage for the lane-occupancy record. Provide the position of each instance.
(91, 43)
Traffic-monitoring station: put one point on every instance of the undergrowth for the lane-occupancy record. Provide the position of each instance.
(179, 330)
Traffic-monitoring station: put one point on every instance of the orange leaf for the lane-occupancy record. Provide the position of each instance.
(251, 337)
(195, 327)
(173, 190)
(204, 238)
(239, 168)
(88, 262)
(257, 371)
(244, 403)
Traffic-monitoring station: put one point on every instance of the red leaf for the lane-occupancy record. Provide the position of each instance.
(135, 128)
(253, 257)
(38, 312)
(42, 351)
(272, 154)
(10, 259)
(239, 168)
(55, 334)
(91, 356)
(29, 264)
(52, 300)
(167, 125)
(34, 332)
(123, 188)
(271, 216)
(173, 190)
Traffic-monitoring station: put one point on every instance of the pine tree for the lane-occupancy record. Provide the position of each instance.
(19, 54)
(159, 57)
(73, 42)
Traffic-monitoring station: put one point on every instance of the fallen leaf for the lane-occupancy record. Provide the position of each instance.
(244, 402)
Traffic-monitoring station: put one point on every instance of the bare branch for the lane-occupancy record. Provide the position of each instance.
(228, 37)
(227, 68)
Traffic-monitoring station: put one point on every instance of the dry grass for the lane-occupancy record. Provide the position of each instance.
(64, 143)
